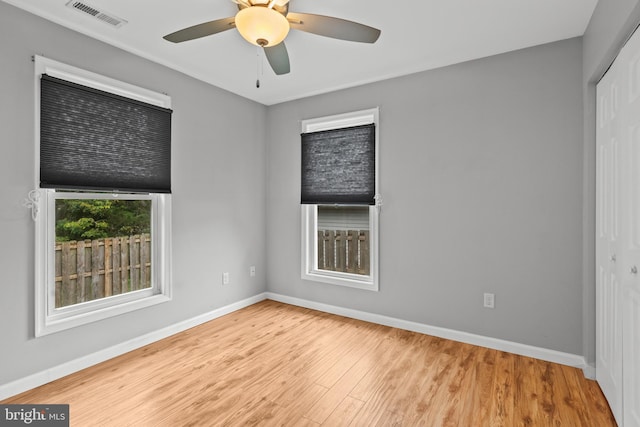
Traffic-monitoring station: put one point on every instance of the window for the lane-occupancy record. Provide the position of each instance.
(103, 199)
(340, 202)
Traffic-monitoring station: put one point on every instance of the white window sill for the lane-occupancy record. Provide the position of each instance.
(341, 279)
(52, 325)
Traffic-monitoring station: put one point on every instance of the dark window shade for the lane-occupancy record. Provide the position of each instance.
(338, 166)
(95, 140)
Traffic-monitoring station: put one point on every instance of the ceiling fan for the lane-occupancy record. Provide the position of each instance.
(266, 23)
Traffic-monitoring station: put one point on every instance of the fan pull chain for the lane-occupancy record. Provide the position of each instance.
(258, 67)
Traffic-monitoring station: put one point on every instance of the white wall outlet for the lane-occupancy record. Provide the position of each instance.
(252, 271)
(225, 278)
(489, 300)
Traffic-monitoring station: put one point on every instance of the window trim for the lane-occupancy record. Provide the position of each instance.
(309, 216)
(49, 319)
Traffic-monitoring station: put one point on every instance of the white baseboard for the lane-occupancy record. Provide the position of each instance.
(51, 374)
(548, 355)
(589, 372)
(48, 375)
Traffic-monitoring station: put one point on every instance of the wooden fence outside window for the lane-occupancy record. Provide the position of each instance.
(346, 251)
(92, 269)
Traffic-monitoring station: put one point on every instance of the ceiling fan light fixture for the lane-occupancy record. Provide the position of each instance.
(262, 26)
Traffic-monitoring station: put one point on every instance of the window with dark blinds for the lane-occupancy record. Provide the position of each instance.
(96, 140)
(338, 166)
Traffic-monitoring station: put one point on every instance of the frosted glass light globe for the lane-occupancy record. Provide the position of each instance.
(262, 26)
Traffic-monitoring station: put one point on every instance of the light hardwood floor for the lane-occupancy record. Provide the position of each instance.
(274, 364)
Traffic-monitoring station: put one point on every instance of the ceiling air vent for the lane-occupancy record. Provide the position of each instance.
(97, 13)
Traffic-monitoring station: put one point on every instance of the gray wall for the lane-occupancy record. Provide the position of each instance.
(481, 177)
(611, 24)
(218, 194)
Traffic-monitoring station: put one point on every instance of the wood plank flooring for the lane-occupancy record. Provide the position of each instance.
(274, 364)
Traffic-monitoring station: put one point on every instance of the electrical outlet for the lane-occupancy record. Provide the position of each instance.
(489, 300)
(252, 271)
(225, 278)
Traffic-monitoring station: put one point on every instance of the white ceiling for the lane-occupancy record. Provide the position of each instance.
(416, 35)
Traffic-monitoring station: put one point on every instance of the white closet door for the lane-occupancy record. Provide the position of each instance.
(608, 245)
(618, 235)
(630, 117)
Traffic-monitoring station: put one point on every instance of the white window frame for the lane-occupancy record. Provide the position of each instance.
(49, 319)
(309, 213)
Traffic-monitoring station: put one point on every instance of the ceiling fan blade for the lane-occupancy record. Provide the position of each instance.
(278, 58)
(336, 28)
(201, 30)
